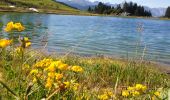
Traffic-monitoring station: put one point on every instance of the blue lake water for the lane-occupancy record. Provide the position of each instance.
(95, 35)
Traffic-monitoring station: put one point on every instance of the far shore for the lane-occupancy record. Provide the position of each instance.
(77, 13)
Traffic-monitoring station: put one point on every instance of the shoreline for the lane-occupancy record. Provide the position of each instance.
(163, 67)
(76, 13)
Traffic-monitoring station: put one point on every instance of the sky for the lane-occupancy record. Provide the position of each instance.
(149, 3)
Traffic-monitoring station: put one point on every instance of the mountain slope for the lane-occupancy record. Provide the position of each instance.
(41, 4)
(80, 4)
(83, 4)
(158, 12)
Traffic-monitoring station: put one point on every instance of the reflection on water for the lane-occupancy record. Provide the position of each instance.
(91, 35)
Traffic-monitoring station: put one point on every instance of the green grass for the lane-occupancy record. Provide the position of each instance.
(99, 73)
(41, 5)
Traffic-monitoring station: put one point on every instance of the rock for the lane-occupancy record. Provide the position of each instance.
(33, 9)
(12, 6)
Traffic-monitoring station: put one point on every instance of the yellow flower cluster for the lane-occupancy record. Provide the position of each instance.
(77, 69)
(157, 93)
(43, 63)
(71, 85)
(24, 43)
(107, 95)
(103, 97)
(35, 71)
(21, 48)
(27, 42)
(134, 91)
(52, 73)
(12, 26)
(4, 43)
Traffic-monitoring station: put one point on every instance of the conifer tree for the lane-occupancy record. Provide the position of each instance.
(167, 14)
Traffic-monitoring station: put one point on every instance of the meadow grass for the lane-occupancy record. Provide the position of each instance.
(45, 6)
(29, 74)
(99, 75)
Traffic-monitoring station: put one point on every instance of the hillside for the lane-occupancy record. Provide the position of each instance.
(84, 5)
(49, 6)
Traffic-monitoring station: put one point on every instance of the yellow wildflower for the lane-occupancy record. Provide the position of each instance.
(4, 43)
(130, 88)
(153, 98)
(34, 71)
(144, 88)
(49, 83)
(58, 63)
(9, 26)
(77, 69)
(26, 66)
(75, 86)
(109, 93)
(135, 93)
(67, 84)
(51, 75)
(125, 93)
(103, 97)
(27, 44)
(19, 27)
(140, 87)
(157, 93)
(43, 63)
(34, 80)
(26, 39)
(58, 76)
(63, 67)
(51, 67)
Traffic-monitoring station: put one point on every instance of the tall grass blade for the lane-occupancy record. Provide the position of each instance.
(15, 95)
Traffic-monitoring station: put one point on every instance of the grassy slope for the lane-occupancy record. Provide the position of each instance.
(43, 6)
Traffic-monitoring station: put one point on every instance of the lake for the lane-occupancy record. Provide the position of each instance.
(95, 35)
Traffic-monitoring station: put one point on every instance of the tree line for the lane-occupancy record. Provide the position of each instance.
(131, 9)
(167, 14)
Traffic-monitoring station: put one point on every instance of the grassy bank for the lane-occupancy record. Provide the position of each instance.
(44, 6)
(29, 74)
(100, 75)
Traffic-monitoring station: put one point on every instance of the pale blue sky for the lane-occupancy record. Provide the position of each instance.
(150, 3)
